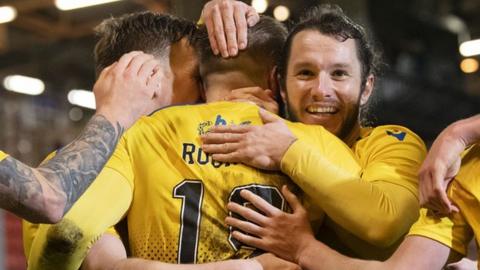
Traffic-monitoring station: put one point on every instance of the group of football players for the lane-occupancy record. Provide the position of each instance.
(221, 180)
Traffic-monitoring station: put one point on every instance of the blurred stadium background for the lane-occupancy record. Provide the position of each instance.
(426, 85)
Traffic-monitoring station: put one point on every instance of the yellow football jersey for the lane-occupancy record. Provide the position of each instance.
(367, 213)
(180, 193)
(457, 230)
(3, 155)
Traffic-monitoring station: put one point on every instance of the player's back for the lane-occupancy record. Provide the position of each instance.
(180, 193)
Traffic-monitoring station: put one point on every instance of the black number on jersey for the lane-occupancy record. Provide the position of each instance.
(269, 193)
(191, 193)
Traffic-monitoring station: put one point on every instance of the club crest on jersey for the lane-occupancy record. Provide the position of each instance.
(204, 126)
(400, 135)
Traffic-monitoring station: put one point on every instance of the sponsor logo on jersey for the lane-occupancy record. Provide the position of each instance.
(204, 126)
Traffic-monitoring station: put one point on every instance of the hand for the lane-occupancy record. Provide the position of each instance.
(439, 168)
(463, 264)
(226, 23)
(133, 86)
(261, 97)
(262, 147)
(283, 234)
(271, 262)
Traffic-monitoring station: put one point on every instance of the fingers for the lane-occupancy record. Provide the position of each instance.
(261, 97)
(433, 190)
(230, 157)
(219, 137)
(223, 148)
(248, 213)
(136, 63)
(211, 34)
(292, 199)
(259, 203)
(241, 26)
(230, 129)
(125, 60)
(268, 117)
(244, 226)
(252, 16)
(219, 31)
(229, 27)
(148, 69)
(248, 240)
(155, 83)
(106, 71)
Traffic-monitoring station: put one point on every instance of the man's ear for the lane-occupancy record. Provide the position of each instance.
(283, 92)
(368, 89)
(273, 82)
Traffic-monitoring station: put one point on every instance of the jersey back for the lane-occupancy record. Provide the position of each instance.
(179, 193)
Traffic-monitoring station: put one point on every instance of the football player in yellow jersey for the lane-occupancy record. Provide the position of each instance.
(432, 241)
(46, 193)
(174, 211)
(391, 190)
(327, 75)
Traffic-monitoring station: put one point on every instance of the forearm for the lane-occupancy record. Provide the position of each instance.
(344, 196)
(65, 245)
(467, 130)
(46, 193)
(141, 264)
(318, 256)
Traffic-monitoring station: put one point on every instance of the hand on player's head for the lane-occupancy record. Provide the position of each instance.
(227, 22)
(133, 86)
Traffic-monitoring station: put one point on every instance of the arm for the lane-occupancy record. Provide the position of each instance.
(64, 245)
(414, 253)
(109, 253)
(443, 163)
(382, 181)
(272, 231)
(46, 193)
(227, 22)
(344, 196)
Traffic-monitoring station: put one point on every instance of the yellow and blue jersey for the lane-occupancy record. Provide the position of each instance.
(457, 230)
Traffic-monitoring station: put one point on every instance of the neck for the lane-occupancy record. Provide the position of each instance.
(353, 135)
(218, 86)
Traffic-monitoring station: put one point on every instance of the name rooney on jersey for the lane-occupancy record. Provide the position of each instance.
(193, 154)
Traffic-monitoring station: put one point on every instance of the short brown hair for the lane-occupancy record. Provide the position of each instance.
(143, 31)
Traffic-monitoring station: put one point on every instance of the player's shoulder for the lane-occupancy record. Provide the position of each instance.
(390, 133)
(471, 153)
(2, 155)
(177, 116)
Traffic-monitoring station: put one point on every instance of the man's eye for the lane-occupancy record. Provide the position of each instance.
(339, 74)
(305, 73)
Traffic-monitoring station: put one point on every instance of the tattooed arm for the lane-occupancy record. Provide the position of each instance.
(124, 91)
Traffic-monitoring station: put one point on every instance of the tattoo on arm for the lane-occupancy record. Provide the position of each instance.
(69, 173)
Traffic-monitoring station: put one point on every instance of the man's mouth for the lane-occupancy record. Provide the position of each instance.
(315, 109)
